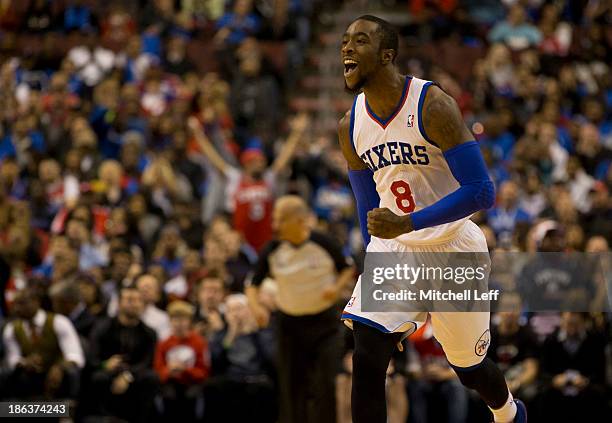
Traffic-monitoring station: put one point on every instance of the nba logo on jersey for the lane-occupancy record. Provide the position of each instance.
(410, 121)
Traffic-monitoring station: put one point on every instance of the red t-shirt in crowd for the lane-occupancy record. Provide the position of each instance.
(251, 202)
(192, 351)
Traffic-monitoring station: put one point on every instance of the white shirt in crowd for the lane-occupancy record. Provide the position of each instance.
(157, 320)
(67, 338)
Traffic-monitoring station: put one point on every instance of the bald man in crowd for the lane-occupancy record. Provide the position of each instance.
(310, 271)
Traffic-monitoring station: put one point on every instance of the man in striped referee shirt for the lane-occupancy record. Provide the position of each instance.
(310, 271)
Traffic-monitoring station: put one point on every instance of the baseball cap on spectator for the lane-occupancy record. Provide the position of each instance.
(251, 154)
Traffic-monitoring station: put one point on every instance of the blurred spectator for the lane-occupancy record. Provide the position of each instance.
(108, 186)
(134, 61)
(142, 223)
(573, 364)
(65, 262)
(186, 164)
(170, 250)
(90, 294)
(79, 16)
(121, 260)
(556, 36)
(498, 138)
(164, 186)
(40, 16)
(79, 235)
(515, 31)
(250, 190)
(546, 280)
(255, 99)
(67, 300)
(209, 313)
(176, 60)
(533, 200)
(180, 364)
(434, 383)
(239, 260)
(590, 151)
(598, 220)
(14, 184)
(152, 316)
(514, 349)
(22, 142)
(579, 184)
(235, 26)
(118, 26)
(242, 366)
(506, 214)
(268, 297)
(183, 285)
(43, 351)
(122, 350)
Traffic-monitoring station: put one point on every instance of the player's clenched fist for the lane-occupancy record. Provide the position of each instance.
(383, 223)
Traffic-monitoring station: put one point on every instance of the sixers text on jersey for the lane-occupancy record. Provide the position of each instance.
(395, 152)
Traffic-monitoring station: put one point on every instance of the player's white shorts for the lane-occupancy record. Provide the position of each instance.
(464, 336)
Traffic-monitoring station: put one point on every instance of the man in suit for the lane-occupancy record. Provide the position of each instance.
(43, 351)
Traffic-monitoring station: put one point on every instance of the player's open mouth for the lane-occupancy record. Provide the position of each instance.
(349, 67)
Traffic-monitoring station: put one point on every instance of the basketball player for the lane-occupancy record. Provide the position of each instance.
(417, 174)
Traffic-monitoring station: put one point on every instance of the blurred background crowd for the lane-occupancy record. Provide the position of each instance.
(142, 146)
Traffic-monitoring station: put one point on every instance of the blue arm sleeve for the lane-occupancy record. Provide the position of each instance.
(475, 193)
(366, 197)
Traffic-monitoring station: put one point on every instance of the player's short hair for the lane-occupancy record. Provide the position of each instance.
(389, 38)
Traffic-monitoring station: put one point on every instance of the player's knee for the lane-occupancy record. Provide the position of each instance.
(472, 377)
(487, 380)
(468, 377)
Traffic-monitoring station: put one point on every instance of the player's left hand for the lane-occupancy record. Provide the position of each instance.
(383, 223)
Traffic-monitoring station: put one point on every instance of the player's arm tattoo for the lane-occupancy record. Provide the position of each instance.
(348, 151)
(442, 120)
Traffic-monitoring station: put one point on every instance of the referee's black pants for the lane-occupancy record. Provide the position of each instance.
(308, 359)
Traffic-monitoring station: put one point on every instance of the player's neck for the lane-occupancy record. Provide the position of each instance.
(384, 91)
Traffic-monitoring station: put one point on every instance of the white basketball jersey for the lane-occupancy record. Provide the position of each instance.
(410, 171)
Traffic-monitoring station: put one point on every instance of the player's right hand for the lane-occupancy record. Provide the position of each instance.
(383, 223)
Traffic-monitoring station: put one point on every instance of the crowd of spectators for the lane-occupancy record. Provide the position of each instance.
(136, 191)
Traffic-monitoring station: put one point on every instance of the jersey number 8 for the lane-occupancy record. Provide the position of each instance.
(403, 196)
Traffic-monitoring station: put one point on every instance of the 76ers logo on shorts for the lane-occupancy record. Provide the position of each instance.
(482, 345)
(410, 121)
